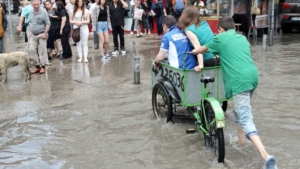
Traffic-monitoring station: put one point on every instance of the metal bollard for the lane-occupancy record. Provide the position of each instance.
(264, 42)
(136, 68)
(271, 38)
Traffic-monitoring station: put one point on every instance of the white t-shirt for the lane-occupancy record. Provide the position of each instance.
(78, 17)
(92, 7)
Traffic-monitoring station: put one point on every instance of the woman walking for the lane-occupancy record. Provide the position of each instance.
(158, 11)
(80, 17)
(65, 28)
(101, 23)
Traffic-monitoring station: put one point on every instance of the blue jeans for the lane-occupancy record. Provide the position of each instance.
(146, 23)
(243, 114)
(158, 20)
(1, 45)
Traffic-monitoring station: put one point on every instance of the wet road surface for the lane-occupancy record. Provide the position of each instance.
(91, 115)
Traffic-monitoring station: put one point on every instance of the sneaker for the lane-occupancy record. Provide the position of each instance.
(48, 64)
(131, 33)
(115, 53)
(79, 60)
(142, 33)
(106, 55)
(123, 52)
(85, 60)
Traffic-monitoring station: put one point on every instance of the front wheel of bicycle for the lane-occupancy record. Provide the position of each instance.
(215, 139)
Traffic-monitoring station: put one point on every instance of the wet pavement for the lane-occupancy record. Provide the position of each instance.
(91, 115)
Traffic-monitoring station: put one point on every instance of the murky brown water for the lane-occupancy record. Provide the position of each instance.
(91, 116)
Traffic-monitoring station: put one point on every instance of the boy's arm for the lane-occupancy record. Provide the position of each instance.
(159, 58)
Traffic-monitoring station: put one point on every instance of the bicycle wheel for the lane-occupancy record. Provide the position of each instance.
(161, 102)
(216, 136)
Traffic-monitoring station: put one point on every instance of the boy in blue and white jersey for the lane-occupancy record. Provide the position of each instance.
(173, 46)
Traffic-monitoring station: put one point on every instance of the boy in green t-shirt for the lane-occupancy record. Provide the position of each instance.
(240, 76)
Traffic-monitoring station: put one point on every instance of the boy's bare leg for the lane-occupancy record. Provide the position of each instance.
(241, 135)
(259, 146)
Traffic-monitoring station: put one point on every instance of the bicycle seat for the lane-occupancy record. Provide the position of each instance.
(207, 79)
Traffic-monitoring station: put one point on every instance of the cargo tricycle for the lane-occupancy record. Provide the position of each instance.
(201, 95)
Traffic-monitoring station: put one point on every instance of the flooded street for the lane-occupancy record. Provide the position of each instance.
(91, 115)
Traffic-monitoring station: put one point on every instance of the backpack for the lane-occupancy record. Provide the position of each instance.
(179, 5)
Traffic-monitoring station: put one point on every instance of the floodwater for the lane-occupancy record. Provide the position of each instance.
(91, 115)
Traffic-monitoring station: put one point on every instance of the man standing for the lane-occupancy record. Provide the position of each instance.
(3, 26)
(178, 7)
(39, 27)
(174, 44)
(117, 10)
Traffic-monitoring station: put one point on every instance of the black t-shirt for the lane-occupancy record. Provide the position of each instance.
(64, 13)
(102, 15)
(117, 14)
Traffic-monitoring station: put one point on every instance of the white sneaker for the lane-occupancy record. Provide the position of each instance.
(115, 53)
(79, 60)
(142, 33)
(131, 33)
(85, 60)
(106, 55)
(123, 52)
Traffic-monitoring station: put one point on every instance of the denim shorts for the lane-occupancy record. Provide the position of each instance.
(102, 26)
(243, 114)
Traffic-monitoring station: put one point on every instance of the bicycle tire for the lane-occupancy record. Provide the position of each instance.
(162, 108)
(216, 135)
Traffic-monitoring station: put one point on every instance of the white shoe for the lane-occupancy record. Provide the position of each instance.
(131, 33)
(85, 60)
(142, 33)
(123, 52)
(79, 60)
(48, 64)
(106, 55)
(115, 53)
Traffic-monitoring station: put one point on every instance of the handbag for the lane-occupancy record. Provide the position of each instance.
(254, 9)
(138, 13)
(76, 33)
(24, 26)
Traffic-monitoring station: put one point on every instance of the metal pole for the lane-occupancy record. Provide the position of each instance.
(136, 69)
(264, 42)
(10, 22)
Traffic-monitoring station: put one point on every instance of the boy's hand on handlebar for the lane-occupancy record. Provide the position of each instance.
(198, 68)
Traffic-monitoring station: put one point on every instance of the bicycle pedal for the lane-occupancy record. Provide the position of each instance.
(190, 131)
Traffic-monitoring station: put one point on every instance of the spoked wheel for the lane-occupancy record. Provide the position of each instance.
(215, 140)
(161, 102)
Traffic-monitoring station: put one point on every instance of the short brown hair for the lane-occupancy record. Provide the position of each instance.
(226, 23)
(190, 15)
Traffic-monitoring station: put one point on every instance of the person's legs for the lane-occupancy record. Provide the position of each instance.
(67, 52)
(106, 40)
(85, 37)
(246, 127)
(79, 50)
(122, 40)
(132, 26)
(96, 40)
(115, 39)
(42, 51)
(33, 52)
(137, 26)
(1, 45)
(101, 41)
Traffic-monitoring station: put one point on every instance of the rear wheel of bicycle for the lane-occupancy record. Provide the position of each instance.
(216, 136)
(161, 102)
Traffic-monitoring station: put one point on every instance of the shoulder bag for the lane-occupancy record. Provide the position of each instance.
(76, 33)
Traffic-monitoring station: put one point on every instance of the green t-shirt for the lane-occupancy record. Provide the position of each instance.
(238, 69)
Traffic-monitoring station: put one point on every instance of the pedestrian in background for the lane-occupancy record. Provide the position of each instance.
(3, 26)
(117, 11)
(158, 11)
(95, 35)
(80, 17)
(101, 23)
(146, 6)
(64, 30)
(39, 27)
